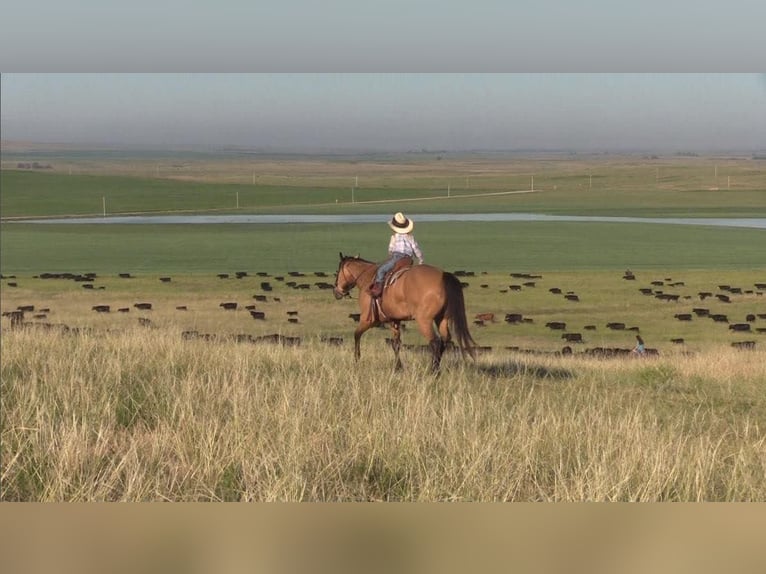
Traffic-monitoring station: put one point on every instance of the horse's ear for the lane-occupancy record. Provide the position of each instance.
(341, 255)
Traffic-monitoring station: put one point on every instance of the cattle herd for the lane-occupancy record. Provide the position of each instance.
(18, 318)
(666, 291)
(658, 290)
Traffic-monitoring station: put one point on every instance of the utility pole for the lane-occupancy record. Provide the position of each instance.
(103, 204)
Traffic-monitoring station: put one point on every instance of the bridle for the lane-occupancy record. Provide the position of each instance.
(342, 270)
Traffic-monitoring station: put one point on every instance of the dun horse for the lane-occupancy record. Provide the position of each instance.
(431, 297)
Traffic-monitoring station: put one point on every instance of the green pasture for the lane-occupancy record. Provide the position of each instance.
(495, 246)
(627, 191)
(41, 194)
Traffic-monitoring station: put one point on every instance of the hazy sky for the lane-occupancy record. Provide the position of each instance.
(383, 36)
(380, 111)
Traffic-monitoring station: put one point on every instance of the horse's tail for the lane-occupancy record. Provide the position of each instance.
(455, 313)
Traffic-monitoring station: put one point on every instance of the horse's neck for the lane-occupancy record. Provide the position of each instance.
(362, 271)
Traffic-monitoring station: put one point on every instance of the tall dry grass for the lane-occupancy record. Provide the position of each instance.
(144, 415)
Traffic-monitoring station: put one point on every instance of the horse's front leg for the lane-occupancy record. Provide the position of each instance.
(396, 343)
(363, 326)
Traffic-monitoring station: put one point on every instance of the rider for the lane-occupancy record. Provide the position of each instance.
(402, 244)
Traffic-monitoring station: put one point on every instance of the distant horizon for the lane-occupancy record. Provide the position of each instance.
(21, 147)
(390, 113)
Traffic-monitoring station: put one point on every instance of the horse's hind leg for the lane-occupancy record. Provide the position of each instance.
(437, 349)
(426, 328)
(396, 343)
(444, 333)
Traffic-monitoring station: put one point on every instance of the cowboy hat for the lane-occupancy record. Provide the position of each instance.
(400, 224)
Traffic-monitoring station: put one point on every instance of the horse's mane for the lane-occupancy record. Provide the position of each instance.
(355, 258)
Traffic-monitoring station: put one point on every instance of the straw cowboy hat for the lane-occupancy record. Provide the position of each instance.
(400, 224)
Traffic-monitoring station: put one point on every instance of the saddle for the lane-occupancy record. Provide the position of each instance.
(399, 267)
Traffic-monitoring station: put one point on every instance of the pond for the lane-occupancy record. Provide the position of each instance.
(753, 223)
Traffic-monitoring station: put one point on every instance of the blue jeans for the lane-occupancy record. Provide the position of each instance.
(388, 265)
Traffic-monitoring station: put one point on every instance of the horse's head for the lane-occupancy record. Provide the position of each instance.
(344, 282)
(346, 276)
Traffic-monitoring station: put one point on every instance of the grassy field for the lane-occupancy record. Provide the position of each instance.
(122, 406)
(142, 415)
(704, 187)
(604, 297)
(493, 246)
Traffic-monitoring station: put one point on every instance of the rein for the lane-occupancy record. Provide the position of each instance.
(352, 284)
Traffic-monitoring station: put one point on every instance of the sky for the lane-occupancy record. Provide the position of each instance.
(383, 36)
(663, 112)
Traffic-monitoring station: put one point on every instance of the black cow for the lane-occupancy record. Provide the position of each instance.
(572, 337)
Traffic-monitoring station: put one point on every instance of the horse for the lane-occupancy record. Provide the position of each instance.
(433, 298)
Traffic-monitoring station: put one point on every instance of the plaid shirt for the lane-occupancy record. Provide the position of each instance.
(405, 243)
